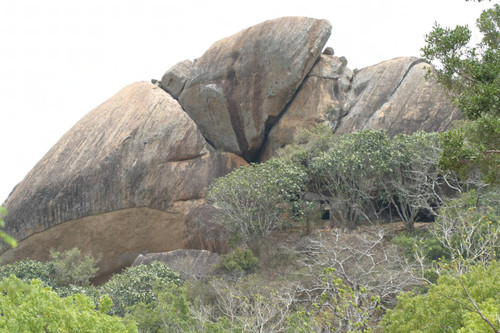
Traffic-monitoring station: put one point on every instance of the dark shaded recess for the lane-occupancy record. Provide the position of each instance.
(230, 82)
(336, 90)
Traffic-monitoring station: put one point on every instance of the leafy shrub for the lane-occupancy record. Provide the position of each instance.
(446, 306)
(432, 249)
(472, 147)
(27, 270)
(35, 308)
(360, 174)
(67, 271)
(347, 175)
(240, 260)
(90, 291)
(171, 312)
(72, 268)
(136, 284)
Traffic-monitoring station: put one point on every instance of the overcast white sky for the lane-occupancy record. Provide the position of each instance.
(59, 59)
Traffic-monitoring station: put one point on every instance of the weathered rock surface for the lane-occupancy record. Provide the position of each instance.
(242, 83)
(128, 178)
(190, 264)
(394, 95)
(174, 79)
(322, 98)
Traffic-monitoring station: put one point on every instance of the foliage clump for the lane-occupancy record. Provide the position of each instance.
(451, 305)
(366, 174)
(136, 284)
(66, 272)
(240, 260)
(254, 200)
(471, 77)
(72, 267)
(470, 74)
(35, 308)
(473, 148)
(27, 270)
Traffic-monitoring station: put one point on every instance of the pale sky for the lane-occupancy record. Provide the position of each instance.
(59, 59)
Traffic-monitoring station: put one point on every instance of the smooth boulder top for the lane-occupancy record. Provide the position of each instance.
(242, 83)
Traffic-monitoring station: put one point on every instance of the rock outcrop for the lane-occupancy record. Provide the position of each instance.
(128, 178)
(322, 97)
(395, 96)
(242, 83)
(131, 177)
(190, 264)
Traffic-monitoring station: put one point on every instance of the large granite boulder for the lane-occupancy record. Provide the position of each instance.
(242, 83)
(128, 178)
(190, 264)
(322, 98)
(395, 96)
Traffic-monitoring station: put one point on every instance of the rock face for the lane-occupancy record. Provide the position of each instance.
(242, 83)
(174, 80)
(394, 95)
(126, 179)
(322, 98)
(191, 264)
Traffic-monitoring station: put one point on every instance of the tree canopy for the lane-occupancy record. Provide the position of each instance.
(471, 76)
(470, 73)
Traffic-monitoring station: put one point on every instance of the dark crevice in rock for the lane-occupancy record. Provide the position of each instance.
(270, 123)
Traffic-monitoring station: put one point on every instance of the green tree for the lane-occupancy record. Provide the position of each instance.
(27, 270)
(471, 76)
(172, 311)
(35, 308)
(463, 303)
(254, 200)
(240, 260)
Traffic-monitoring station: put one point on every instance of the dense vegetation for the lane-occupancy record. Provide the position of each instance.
(288, 270)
